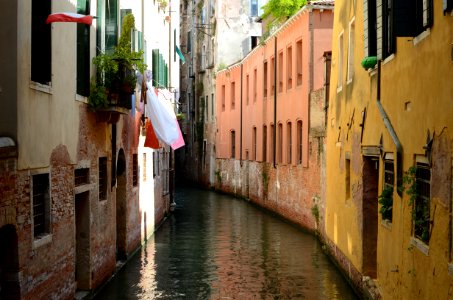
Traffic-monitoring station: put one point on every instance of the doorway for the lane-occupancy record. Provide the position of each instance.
(370, 214)
(82, 241)
(9, 263)
(121, 207)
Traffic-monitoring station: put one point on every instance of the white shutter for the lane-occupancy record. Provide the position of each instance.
(426, 13)
(379, 26)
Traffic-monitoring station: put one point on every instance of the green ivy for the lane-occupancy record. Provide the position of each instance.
(386, 202)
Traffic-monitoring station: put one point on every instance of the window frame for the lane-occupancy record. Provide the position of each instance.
(41, 44)
(47, 203)
(351, 46)
(103, 181)
(388, 179)
(299, 61)
(422, 163)
(289, 67)
(340, 54)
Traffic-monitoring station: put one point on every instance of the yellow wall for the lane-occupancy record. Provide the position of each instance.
(417, 94)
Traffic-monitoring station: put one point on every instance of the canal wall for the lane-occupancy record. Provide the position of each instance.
(291, 191)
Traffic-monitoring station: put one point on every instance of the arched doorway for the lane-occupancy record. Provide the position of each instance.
(9, 264)
(121, 207)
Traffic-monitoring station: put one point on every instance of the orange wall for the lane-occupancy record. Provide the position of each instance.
(292, 102)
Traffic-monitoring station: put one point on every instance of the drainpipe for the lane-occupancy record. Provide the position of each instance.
(275, 103)
(391, 131)
(240, 131)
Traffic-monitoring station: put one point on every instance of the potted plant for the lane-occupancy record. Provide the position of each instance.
(115, 78)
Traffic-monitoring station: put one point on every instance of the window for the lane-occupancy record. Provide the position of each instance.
(272, 75)
(212, 106)
(280, 72)
(389, 182)
(41, 42)
(111, 24)
(254, 143)
(348, 177)
(289, 68)
(265, 79)
(411, 19)
(421, 208)
(81, 176)
(299, 142)
(264, 143)
(155, 164)
(385, 34)
(289, 142)
(369, 28)
(144, 167)
(207, 107)
(83, 51)
(223, 97)
(299, 62)
(254, 8)
(205, 143)
(340, 62)
(247, 90)
(41, 205)
(165, 173)
(233, 144)
(254, 84)
(189, 41)
(134, 169)
(272, 152)
(280, 144)
(102, 178)
(351, 50)
(233, 94)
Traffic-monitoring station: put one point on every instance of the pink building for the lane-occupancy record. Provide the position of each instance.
(271, 120)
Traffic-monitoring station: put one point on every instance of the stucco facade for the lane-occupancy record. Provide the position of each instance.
(101, 191)
(215, 34)
(383, 123)
(280, 82)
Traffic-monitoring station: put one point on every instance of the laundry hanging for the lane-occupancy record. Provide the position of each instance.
(69, 17)
(163, 119)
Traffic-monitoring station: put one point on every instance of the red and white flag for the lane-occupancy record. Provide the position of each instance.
(69, 17)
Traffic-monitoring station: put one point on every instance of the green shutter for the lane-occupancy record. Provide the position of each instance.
(155, 68)
(111, 25)
(83, 51)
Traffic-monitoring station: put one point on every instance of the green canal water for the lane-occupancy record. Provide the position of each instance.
(217, 247)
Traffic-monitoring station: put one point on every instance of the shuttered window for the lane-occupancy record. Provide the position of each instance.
(83, 50)
(385, 28)
(41, 42)
(369, 27)
(111, 25)
(41, 205)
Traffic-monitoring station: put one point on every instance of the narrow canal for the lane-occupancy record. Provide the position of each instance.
(218, 247)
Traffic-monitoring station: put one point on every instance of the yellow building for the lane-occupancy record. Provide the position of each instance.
(388, 138)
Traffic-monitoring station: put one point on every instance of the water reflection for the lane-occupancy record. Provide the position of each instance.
(218, 247)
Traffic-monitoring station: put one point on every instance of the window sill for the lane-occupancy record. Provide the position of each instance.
(420, 245)
(81, 98)
(450, 268)
(84, 188)
(386, 224)
(349, 81)
(388, 59)
(421, 37)
(41, 241)
(339, 89)
(41, 87)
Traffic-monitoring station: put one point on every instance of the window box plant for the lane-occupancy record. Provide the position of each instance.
(115, 79)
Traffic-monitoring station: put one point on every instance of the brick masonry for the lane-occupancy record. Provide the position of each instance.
(46, 267)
